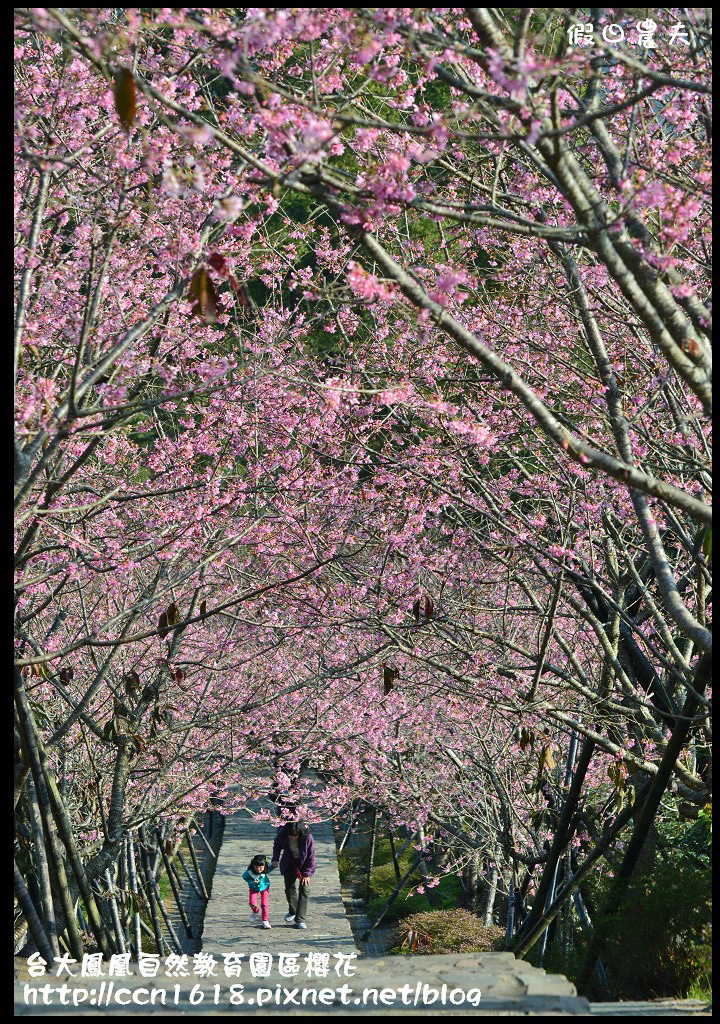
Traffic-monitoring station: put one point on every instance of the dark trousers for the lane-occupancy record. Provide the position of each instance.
(297, 901)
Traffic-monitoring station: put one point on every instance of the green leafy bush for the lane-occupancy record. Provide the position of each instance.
(446, 931)
(659, 942)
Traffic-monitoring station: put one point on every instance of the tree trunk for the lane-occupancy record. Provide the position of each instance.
(646, 817)
(472, 876)
(431, 893)
(491, 894)
(33, 919)
(563, 835)
(135, 890)
(42, 869)
(41, 769)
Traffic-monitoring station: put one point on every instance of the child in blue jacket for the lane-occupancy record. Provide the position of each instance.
(258, 882)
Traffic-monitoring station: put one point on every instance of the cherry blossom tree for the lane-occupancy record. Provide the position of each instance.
(362, 414)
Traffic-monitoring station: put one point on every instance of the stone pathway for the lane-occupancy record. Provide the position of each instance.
(226, 918)
(492, 984)
(654, 1008)
(379, 938)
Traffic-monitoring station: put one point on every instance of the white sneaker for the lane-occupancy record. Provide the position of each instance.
(266, 924)
(301, 924)
(253, 917)
(289, 918)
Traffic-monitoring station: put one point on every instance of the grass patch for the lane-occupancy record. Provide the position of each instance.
(350, 865)
(383, 881)
(701, 990)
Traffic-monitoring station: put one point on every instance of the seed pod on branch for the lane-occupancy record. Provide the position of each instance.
(527, 738)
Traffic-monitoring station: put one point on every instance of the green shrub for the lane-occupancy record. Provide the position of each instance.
(404, 904)
(344, 867)
(349, 865)
(659, 942)
(446, 931)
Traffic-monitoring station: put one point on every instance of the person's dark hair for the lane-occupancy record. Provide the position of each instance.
(255, 863)
(295, 826)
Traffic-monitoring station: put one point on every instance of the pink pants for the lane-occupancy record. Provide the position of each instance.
(264, 902)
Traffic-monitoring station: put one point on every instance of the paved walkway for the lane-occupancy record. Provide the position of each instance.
(654, 1008)
(226, 918)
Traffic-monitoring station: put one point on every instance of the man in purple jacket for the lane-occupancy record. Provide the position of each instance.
(295, 847)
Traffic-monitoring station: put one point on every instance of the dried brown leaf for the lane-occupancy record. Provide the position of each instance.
(125, 97)
(204, 297)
